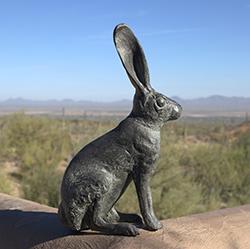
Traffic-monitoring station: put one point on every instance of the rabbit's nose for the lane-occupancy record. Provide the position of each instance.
(176, 108)
(176, 112)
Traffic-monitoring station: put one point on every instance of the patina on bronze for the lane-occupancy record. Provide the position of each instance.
(99, 174)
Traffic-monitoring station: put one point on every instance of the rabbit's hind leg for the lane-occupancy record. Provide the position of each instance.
(73, 216)
(100, 212)
(112, 216)
(77, 216)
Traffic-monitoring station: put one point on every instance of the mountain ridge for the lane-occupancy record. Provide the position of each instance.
(213, 103)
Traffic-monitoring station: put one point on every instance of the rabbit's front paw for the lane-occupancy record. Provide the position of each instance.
(126, 229)
(154, 225)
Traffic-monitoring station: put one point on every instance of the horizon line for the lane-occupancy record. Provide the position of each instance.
(118, 100)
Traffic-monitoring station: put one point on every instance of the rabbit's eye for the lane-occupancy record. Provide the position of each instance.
(160, 102)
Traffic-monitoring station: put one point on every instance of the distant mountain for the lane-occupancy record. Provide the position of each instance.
(215, 103)
(85, 104)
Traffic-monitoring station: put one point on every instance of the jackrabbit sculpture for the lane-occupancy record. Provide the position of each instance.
(99, 173)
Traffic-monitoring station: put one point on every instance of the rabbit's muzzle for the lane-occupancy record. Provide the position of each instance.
(176, 111)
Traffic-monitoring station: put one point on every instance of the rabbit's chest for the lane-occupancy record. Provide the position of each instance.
(147, 145)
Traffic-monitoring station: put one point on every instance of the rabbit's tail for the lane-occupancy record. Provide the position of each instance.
(72, 216)
(62, 214)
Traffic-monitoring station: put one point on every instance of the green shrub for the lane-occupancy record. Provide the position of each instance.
(5, 184)
(42, 185)
(37, 145)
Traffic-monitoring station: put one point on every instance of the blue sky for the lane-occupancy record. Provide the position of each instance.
(64, 49)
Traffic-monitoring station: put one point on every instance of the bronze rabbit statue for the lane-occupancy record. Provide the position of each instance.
(99, 173)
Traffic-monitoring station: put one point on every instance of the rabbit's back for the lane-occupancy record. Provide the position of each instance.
(106, 152)
(98, 165)
(117, 151)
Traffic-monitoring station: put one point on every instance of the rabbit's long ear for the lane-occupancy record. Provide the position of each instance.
(132, 57)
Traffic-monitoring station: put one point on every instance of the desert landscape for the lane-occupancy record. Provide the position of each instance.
(204, 163)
